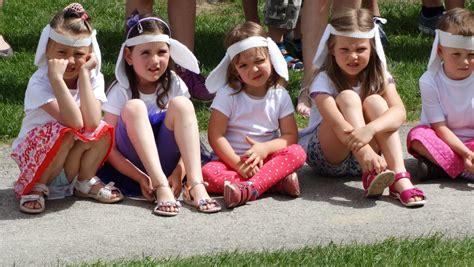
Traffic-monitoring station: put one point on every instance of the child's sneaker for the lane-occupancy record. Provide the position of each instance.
(238, 194)
(195, 83)
(287, 186)
(426, 170)
(292, 62)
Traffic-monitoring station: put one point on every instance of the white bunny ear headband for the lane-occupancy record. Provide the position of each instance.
(217, 79)
(50, 33)
(323, 49)
(448, 40)
(178, 52)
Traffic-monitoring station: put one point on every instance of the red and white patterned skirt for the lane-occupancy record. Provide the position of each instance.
(39, 147)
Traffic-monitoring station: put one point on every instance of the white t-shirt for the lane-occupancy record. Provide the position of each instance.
(257, 118)
(40, 92)
(451, 101)
(118, 96)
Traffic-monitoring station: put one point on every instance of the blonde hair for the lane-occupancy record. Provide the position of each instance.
(458, 21)
(239, 33)
(372, 78)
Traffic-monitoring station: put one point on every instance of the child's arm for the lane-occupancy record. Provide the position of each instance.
(64, 108)
(90, 106)
(176, 178)
(455, 144)
(223, 149)
(258, 152)
(124, 166)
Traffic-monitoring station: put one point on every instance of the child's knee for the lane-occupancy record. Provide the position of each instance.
(297, 154)
(133, 108)
(375, 101)
(348, 98)
(181, 103)
(68, 140)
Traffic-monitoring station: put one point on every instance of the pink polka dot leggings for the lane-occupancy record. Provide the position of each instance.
(276, 167)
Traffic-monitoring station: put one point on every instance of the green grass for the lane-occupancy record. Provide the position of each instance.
(426, 251)
(23, 20)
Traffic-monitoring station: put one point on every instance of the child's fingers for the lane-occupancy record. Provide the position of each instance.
(251, 158)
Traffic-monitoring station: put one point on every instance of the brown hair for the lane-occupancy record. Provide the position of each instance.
(373, 76)
(458, 21)
(239, 33)
(150, 26)
(72, 19)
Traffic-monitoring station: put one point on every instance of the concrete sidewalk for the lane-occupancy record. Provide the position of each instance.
(76, 230)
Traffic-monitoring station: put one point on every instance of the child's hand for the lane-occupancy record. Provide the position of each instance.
(469, 164)
(256, 154)
(369, 160)
(246, 170)
(56, 68)
(357, 138)
(147, 189)
(175, 183)
(91, 62)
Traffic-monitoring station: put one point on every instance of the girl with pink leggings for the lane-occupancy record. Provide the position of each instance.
(252, 128)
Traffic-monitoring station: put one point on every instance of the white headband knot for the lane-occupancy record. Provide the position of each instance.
(217, 79)
(323, 49)
(447, 39)
(50, 33)
(180, 54)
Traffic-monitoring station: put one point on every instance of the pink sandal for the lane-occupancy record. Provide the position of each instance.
(375, 184)
(406, 194)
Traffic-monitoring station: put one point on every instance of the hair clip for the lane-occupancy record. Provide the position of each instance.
(75, 7)
(133, 21)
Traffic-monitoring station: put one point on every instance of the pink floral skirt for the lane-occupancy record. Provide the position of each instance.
(39, 147)
(452, 163)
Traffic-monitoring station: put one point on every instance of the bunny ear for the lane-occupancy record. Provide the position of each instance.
(435, 61)
(278, 61)
(182, 56)
(218, 76)
(322, 48)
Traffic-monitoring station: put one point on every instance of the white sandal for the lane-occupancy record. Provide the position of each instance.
(104, 194)
(40, 188)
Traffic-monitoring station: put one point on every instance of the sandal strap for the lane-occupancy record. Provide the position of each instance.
(86, 185)
(106, 191)
(405, 195)
(41, 188)
(191, 187)
(402, 175)
(169, 203)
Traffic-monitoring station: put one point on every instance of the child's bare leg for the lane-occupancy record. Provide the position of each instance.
(53, 169)
(181, 119)
(349, 103)
(140, 132)
(84, 159)
(389, 142)
(251, 10)
(422, 151)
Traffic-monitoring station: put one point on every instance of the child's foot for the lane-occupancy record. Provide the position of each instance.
(427, 170)
(197, 196)
(96, 189)
(287, 186)
(167, 205)
(403, 189)
(304, 102)
(238, 194)
(34, 202)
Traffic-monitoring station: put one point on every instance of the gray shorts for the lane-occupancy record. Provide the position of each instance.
(316, 160)
(282, 14)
